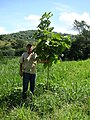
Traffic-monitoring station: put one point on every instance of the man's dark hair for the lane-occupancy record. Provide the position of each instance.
(29, 45)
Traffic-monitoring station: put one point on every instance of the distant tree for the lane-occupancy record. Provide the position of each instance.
(84, 32)
(80, 48)
(80, 44)
(82, 27)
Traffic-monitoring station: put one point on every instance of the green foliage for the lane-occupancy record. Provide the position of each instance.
(50, 45)
(80, 48)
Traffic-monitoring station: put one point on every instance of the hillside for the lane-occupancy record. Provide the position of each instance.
(22, 35)
(15, 43)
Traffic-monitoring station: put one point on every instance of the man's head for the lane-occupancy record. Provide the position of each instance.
(29, 48)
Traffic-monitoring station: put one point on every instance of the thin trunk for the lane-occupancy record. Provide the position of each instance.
(47, 77)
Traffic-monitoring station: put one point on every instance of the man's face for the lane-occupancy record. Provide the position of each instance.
(29, 50)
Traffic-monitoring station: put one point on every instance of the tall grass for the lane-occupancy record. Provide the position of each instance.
(67, 96)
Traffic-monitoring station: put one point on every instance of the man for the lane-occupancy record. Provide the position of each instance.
(28, 69)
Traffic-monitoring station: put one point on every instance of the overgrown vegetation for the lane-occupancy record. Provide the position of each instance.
(67, 97)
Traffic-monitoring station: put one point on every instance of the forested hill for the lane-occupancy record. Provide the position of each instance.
(22, 35)
(14, 44)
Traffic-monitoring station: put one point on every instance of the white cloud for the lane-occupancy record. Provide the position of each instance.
(31, 23)
(64, 30)
(70, 17)
(33, 20)
(67, 17)
(66, 21)
(3, 30)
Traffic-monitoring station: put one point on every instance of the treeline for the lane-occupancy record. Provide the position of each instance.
(15, 44)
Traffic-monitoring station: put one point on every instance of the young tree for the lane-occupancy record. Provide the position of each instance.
(50, 44)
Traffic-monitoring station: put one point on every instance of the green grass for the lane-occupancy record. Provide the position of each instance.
(67, 96)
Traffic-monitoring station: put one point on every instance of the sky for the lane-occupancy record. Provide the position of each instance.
(22, 15)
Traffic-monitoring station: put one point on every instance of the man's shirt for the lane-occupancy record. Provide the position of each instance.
(28, 62)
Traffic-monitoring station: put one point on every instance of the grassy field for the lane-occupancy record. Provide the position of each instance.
(67, 96)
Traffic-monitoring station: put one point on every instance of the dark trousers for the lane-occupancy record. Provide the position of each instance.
(27, 77)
